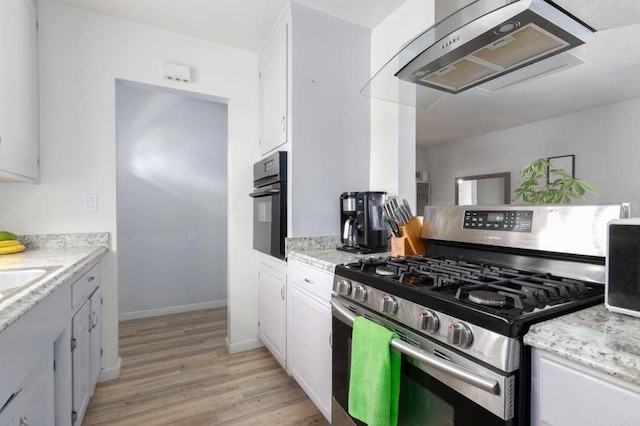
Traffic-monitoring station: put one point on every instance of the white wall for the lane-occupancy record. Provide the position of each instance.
(604, 141)
(82, 54)
(393, 126)
(171, 201)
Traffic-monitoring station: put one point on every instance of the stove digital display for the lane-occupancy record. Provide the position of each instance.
(495, 217)
(507, 220)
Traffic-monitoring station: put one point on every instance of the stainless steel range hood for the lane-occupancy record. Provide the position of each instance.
(480, 42)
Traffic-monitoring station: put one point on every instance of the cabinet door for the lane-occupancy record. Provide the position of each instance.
(81, 355)
(18, 90)
(563, 395)
(273, 90)
(38, 394)
(272, 310)
(310, 347)
(96, 336)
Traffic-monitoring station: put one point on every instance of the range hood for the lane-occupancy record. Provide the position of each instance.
(482, 41)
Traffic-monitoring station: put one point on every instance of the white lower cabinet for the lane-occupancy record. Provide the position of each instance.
(51, 357)
(86, 341)
(272, 308)
(566, 393)
(309, 332)
(32, 403)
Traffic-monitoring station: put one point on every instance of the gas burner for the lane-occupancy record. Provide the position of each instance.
(497, 289)
(386, 271)
(488, 298)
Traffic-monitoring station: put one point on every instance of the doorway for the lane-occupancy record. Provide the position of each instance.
(171, 201)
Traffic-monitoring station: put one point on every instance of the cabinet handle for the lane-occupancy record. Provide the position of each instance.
(282, 123)
(23, 421)
(308, 281)
(331, 339)
(11, 398)
(282, 293)
(91, 278)
(94, 320)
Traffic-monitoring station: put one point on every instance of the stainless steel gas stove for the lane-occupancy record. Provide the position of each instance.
(461, 311)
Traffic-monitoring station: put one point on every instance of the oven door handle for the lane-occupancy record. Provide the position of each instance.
(265, 193)
(485, 383)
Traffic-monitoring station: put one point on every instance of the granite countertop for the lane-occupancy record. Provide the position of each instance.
(71, 258)
(321, 252)
(327, 259)
(594, 337)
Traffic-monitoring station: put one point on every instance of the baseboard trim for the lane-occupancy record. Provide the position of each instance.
(245, 345)
(110, 373)
(156, 312)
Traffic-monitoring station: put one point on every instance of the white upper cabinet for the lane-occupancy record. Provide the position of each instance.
(273, 90)
(19, 94)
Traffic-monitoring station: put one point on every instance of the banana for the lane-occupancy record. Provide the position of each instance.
(6, 235)
(9, 243)
(12, 249)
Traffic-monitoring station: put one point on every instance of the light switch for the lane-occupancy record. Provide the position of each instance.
(91, 202)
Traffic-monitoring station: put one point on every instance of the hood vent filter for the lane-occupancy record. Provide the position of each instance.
(521, 46)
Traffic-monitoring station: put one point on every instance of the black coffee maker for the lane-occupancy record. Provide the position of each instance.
(362, 228)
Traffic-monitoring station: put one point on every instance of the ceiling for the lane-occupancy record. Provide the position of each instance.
(238, 23)
(610, 72)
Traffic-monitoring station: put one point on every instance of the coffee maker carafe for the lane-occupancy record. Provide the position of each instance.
(348, 223)
(362, 228)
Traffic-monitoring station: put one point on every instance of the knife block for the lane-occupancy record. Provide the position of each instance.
(411, 240)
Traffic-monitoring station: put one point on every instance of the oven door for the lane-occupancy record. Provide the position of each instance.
(437, 385)
(270, 219)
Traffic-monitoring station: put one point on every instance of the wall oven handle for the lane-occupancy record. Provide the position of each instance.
(481, 382)
(265, 193)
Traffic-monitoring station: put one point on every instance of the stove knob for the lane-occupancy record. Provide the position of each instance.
(389, 305)
(344, 287)
(429, 321)
(360, 293)
(459, 334)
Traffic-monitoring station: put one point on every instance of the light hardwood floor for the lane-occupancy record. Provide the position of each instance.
(176, 371)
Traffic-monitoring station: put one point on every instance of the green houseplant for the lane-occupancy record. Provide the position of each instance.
(536, 188)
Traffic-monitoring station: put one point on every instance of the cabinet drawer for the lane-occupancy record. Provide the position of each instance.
(82, 289)
(308, 278)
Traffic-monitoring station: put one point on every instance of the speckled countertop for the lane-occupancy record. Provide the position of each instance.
(321, 252)
(594, 337)
(71, 260)
(327, 259)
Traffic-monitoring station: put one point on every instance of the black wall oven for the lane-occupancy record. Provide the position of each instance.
(270, 204)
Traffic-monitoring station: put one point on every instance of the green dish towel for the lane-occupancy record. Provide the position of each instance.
(374, 383)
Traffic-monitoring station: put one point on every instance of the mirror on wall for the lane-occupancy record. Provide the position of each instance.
(483, 189)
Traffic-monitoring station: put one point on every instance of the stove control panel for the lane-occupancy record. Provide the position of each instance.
(498, 220)
(488, 346)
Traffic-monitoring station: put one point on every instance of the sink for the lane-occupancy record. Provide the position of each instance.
(16, 279)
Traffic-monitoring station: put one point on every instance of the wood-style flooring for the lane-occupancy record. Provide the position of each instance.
(176, 371)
